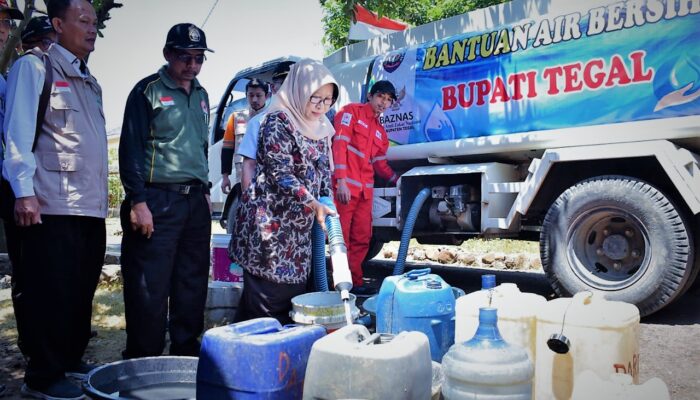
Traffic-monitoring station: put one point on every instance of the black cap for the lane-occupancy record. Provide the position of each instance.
(282, 69)
(37, 26)
(383, 87)
(187, 37)
(12, 12)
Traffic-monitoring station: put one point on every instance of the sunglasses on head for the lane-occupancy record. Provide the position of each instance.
(187, 58)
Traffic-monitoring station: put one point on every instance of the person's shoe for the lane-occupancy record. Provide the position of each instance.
(61, 389)
(364, 290)
(80, 370)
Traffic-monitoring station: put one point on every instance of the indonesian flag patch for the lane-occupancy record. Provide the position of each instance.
(61, 87)
(167, 101)
(205, 109)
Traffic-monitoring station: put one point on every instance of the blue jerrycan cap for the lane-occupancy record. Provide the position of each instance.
(417, 273)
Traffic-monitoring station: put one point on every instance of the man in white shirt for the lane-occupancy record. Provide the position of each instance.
(58, 174)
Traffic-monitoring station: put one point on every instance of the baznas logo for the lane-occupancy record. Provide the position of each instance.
(393, 62)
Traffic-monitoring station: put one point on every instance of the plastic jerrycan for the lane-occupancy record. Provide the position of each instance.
(618, 387)
(586, 332)
(418, 301)
(517, 313)
(486, 366)
(255, 359)
(351, 363)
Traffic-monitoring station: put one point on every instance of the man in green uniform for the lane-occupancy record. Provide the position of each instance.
(166, 216)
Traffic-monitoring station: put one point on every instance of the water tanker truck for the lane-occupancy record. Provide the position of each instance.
(574, 123)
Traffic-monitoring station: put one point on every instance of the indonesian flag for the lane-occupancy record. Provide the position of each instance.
(366, 25)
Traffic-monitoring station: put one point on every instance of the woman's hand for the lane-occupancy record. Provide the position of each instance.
(321, 212)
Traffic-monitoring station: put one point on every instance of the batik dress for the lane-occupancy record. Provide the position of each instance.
(272, 230)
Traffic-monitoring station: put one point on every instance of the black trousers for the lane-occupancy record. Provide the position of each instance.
(58, 264)
(166, 275)
(263, 298)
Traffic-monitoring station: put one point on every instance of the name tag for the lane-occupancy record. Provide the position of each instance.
(61, 87)
(167, 101)
(362, 123)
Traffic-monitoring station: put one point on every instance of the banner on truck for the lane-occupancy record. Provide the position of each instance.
(615, 63)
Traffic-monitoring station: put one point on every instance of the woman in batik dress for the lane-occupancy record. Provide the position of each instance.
(271, 238)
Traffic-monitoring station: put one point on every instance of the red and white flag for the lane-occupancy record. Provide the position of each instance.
(367, 25)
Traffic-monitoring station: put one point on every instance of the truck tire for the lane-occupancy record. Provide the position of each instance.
(620, 236)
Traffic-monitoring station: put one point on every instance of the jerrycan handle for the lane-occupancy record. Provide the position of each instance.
(416, 273)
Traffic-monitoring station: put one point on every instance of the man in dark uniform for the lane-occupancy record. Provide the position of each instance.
(166, 216)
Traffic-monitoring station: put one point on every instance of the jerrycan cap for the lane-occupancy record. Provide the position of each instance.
(433, 284)
(488, 281)
(559, 343)
(417, 273)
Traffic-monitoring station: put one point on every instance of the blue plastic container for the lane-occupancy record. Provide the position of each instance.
(418, 301)
(256, 359)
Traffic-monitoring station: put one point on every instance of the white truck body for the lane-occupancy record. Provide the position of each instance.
(582, 131)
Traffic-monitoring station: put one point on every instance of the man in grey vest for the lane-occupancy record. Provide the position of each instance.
(60, 183)
(166, 215)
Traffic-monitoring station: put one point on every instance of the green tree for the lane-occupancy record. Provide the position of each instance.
(338, 13)
(102, 8)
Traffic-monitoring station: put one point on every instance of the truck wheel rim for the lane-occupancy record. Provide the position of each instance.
(608, 248)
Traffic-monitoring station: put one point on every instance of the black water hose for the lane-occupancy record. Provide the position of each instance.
(408, 229)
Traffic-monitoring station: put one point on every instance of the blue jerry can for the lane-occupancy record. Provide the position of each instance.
(418, 301)
(256, 359)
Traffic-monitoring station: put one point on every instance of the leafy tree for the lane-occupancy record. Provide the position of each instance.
(338, 13)
(102, 8)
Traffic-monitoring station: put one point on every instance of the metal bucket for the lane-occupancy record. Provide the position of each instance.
(149, 378)
(322, 308)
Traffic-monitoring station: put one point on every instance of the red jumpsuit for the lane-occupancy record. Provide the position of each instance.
(359, 150)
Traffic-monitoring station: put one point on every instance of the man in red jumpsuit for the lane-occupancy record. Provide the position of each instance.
(359, 150)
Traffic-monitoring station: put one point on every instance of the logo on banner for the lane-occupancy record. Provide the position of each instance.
(438, 125)
(392, 62)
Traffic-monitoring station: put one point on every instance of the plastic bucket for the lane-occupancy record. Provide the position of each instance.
(149, 378)
(222, 268)
(322, 308)
(222, 302)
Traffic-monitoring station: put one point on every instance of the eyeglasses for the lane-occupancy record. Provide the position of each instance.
(328, 101)
(187, 58)
(6, 23)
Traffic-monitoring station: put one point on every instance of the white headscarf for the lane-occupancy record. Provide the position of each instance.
(305, 77)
